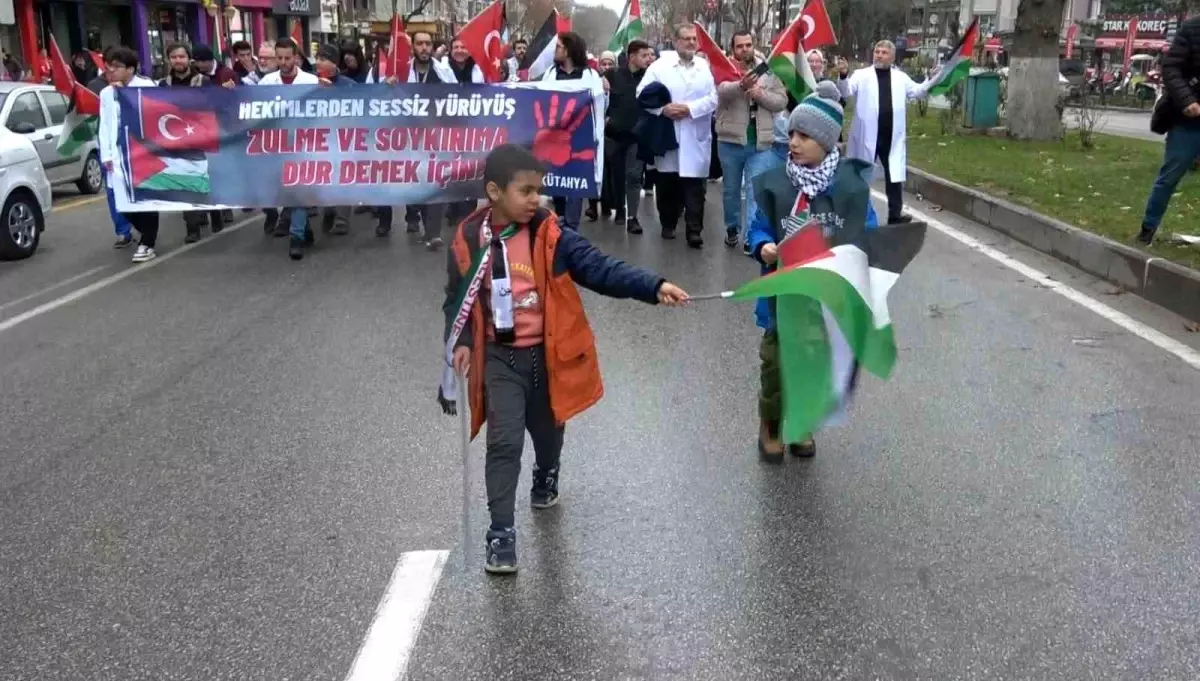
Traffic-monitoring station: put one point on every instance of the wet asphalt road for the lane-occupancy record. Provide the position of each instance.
(210, 468)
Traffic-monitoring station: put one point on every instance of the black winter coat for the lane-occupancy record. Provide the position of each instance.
(1181, 78)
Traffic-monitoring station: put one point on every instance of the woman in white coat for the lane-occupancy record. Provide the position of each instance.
(682, 174)
(570, 63)
(879, 132)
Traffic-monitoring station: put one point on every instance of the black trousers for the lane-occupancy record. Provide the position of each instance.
(895, 190)
(678, 196)
(147, 226)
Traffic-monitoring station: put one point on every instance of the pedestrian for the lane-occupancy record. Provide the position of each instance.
(622, 115)
(122, 66)
(1178, 115)
(83, 68)
(353, 62)
(527, 351)
(817, 184)
(121, 226)
(423, 68)
(335, 220)
(181, 72)
(571, 63)
(680, 183)
(745, 118)
(214, 70)
(879, 131)
(288, 72)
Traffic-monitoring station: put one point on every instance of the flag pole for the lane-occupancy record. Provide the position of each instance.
(712, 296)
(464, 425)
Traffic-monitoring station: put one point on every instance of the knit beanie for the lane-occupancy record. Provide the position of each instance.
(819, 116)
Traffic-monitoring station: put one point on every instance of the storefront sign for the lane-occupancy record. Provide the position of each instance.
(1150, 26)
(373, 145)
(309, 8)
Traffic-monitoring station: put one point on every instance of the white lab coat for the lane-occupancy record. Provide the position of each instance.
(592, 81)
(691, 85)
(863, 86)
(440, 66)
(302, 78)
(110, 120)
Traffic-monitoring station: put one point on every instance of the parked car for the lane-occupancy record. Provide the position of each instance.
(37, 112)
(26, 194)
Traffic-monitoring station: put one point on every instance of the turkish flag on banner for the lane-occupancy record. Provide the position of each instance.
(818, 30)
(397, 59)
(176, 129)
(723, 70)
(481, 38)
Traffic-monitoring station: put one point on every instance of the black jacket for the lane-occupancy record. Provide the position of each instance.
(1181, 78)
(622, 102)
(655, 133)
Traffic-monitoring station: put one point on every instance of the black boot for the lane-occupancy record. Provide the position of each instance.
(296, 249)
(193, 234)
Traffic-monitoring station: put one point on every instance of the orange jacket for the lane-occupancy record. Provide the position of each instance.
(560, 259)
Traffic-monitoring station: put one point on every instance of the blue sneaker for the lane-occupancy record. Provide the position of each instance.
(544, 492)
(501, 551)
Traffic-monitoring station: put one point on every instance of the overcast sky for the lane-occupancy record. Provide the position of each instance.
(614, 5)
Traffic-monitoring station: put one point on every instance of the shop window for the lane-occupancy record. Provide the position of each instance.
(26, 108)
(56, 104)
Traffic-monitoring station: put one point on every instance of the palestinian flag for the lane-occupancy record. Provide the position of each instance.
(78, 130)
(832, 316)
(958, 65)
(629, 28)
(539, 58)
(789, 63)
(158, 175)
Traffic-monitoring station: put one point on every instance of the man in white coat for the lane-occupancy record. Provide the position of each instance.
(683, 173)
(881, 93)
(122, 66)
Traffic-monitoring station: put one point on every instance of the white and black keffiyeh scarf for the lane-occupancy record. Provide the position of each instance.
(813, 181)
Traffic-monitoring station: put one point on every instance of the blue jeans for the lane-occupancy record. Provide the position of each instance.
(569, 211)
(739, 165)
(1181, 151)
(121, 225)
(298, 222)
(781, 150)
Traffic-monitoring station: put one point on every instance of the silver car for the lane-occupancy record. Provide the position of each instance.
(37, 112)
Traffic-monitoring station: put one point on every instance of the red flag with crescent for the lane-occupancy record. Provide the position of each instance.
(818, 29)
(482, 39)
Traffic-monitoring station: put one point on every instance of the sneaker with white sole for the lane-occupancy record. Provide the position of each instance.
(144, 254)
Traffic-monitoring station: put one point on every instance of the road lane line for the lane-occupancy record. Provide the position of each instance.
(51, 287)
(75, 204)
(119, 276)
(385, 652)
(1161, 340)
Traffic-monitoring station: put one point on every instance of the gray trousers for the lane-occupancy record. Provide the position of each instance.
(518, 400)
(634, 172)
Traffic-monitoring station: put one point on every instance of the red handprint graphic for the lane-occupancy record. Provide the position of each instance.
(552, 143)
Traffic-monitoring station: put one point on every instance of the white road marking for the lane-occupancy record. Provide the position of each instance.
(119, 276)
(64, 282)
(385, 652)
(1188, 355)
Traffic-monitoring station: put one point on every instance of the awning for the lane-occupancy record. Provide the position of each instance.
(1152, 45)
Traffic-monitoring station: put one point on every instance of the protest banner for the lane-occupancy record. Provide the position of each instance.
(276, 146)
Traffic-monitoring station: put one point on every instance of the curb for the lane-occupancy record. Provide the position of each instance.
(1164, 283)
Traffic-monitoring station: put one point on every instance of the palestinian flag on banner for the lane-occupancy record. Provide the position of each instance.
(958, 65)
(789, 63)
(831, 315)
(629, 28)
(158, 176)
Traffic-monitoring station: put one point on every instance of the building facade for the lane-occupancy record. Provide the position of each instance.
(148, 26)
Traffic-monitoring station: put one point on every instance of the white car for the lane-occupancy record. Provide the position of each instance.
(26, 194)
(37, 112)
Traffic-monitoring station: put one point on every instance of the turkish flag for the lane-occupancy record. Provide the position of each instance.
(723, 69)
(169, 127)
(98, 60)
(60, 71)
(397, 59)
(818, 30)
(481, 38)
(564, 23)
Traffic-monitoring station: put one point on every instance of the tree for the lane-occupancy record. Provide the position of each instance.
(1033, 71)
(753, 16)
(596, 25)
(860, 23)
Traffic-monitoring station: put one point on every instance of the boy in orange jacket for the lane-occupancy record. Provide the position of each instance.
(526, 348)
